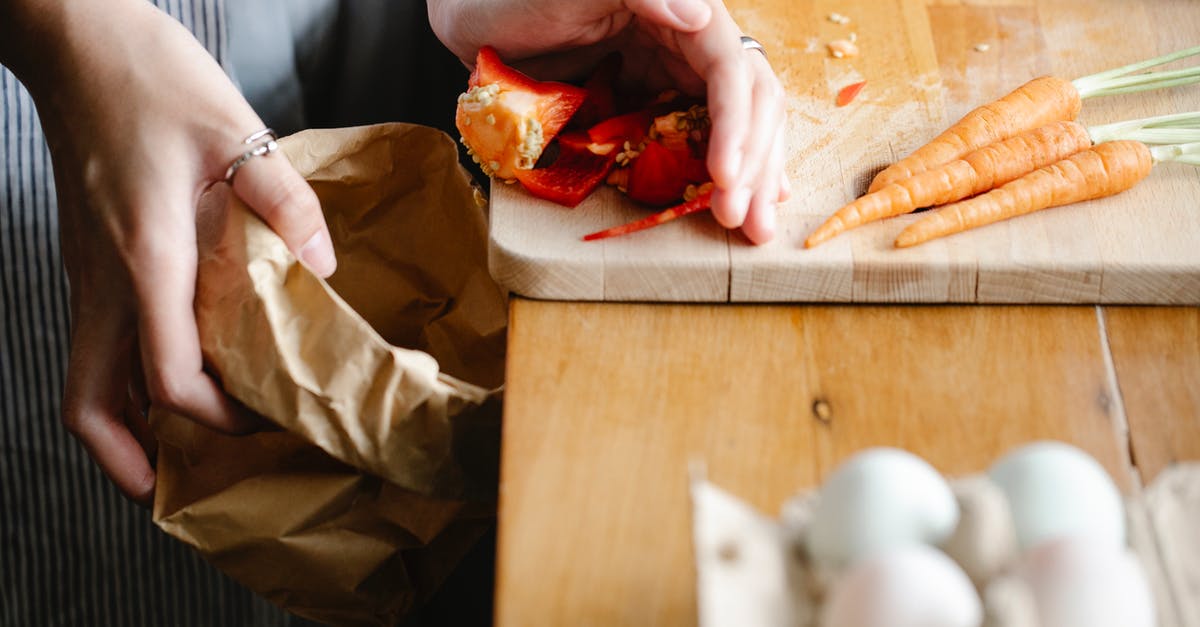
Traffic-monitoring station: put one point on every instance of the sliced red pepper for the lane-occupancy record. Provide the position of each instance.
(630, 127)
(574, 140)
(656, 176)
(575, 174)
(700, 203)
(847, 94)
(557, 102)
(695, 170)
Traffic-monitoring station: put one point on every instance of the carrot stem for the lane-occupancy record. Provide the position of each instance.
(1084, 82)
(1188, 153)
(1176, 128)
(699, 203)
(1140, 82)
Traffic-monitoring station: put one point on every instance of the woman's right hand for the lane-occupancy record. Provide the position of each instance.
(140, 121)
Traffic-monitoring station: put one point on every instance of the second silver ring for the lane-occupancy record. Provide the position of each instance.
(750, 43)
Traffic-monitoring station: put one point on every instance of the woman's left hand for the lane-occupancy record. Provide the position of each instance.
(692, 45)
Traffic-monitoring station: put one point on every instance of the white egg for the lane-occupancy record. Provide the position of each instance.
(1056, 489)
(1080, 581)
(913, 586)
(879, 499)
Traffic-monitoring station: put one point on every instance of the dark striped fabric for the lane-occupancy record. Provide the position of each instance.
(72, 550)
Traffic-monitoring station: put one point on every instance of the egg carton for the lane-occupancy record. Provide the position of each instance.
(758, 571)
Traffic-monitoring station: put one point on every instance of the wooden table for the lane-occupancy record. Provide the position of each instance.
(607, 404)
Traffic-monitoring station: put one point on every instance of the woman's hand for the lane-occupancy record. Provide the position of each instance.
(140, 121)
(693, 45)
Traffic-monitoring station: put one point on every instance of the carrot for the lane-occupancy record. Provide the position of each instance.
(1039, 102)
(1103, 170)
(699, 203)
(976, 172)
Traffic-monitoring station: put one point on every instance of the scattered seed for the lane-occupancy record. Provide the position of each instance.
(838, 18)
(840, 48)
(982, 47)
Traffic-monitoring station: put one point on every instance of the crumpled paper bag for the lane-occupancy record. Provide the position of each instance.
(384, 382)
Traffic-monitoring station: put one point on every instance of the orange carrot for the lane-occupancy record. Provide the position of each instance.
(1103, 170)
(1039, 102)
(976, 172)
(1036, 103)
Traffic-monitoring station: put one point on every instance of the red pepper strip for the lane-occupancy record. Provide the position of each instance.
(700, 203)
(557, 102)
(576, 173)
(847, 94)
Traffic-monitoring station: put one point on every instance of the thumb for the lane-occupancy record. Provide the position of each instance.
(688, 16)
(273, 189)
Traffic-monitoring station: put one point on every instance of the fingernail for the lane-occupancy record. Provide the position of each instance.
(317, 254)
(691, 14)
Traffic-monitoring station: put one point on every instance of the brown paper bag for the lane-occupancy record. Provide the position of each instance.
(383, 381)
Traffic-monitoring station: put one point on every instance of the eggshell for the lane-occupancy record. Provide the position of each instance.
(1080, 581)
(913, 586)
(1056, 489)
(879, 499)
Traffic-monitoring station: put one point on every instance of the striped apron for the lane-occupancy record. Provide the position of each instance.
(72, 550)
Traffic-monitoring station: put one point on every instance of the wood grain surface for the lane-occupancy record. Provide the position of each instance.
(923, 72)
(608, 404)
(1156, 357)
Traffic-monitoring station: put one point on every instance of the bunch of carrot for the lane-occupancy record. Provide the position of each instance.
(1029, 152)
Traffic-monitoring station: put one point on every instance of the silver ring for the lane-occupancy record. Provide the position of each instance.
(750, 43)
(264, 144)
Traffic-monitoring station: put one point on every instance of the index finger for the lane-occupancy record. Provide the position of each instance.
(716, 55)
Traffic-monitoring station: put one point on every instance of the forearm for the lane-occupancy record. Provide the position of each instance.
(41, 39)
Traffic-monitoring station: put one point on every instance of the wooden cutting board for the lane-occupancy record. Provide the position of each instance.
(925, 67)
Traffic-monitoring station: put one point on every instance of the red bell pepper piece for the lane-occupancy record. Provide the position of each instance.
(699, 203)
(575, 174)
(656, 176)
(630, 127)
(847, 94)
(695, 170)
(557, 102)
